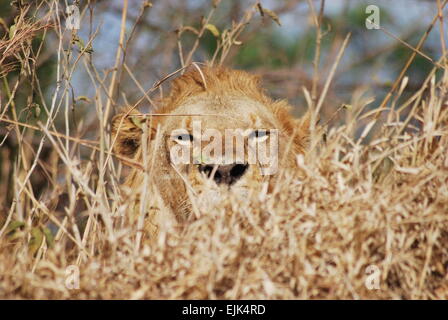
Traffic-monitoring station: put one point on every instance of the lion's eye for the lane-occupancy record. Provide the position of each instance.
(260, 134)
(183, 137)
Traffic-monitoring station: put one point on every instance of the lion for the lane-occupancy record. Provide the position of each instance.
(205, 112)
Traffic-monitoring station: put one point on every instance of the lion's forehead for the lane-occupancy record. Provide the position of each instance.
(222, 113)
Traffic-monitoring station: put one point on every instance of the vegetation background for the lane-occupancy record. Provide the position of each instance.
(381, 98)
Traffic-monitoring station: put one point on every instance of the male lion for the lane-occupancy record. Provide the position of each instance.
(190, 150)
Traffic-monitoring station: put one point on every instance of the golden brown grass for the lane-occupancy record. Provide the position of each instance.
(350, 204)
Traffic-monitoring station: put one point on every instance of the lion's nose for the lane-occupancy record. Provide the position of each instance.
(227, 174)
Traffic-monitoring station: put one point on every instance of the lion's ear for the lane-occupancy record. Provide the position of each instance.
(305, 122)
(303, 131)
(127, 131)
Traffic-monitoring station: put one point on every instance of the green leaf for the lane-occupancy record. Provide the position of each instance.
(13, 226)
(137, 121)
(37, 237)
(212, 28)
(49, 238)
(12, 31)
(83, 98)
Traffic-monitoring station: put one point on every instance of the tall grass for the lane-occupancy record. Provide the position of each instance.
(377, 202)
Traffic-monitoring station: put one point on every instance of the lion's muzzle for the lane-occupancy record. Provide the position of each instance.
(224, 174)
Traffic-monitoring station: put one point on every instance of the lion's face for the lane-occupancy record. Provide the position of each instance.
(214, 143)
(223, 137)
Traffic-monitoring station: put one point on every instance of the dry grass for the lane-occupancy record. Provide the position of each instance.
(350, 204)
